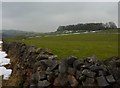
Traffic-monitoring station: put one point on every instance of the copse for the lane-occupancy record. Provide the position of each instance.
(88, 27)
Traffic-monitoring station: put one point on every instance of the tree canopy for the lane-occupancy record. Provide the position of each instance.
(88, 27)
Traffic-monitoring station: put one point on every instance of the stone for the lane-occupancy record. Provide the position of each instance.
(104, 68)
(86, 66)
(43, 83)
(46, 52)
(61, 81)
(118, 63)
(33, 86)
(42, 57)
(54, 65)
(53, 57)
(39, 66)
(93, 59)
(82, 78)
(70, 60)
(72, 80)
(51, 77)
(102, 81)
(48, 62)
(31, 49)
(116, 72)
(56, 72)
(116, 85)
(41, 76)
(34, 77)
(118, 81)
(88, 73)
(77, 64)
(102, 73)
(78, 74)
(38, 50)
(113, 61)
(48, 70)
(94, 68)
(110, 78)
(56, 82)
(63, 66)
(71, 70)
(89, 82)
(23, 49)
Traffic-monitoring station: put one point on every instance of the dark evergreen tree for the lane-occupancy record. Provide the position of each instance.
(88, 27)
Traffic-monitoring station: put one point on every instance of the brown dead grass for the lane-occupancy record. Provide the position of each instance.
(15, 78)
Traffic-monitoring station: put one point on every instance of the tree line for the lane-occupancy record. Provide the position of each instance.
(88, 27)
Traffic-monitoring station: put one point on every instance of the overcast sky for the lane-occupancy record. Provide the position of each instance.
(47, 16)
(119, 14)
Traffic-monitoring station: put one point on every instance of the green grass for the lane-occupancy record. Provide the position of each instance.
(80, 45)
(110, 31)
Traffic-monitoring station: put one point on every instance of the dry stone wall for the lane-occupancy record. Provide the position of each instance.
(40, 68)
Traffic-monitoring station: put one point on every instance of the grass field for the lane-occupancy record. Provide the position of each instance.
(80, 45)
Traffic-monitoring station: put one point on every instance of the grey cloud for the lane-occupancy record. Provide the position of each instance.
(47, 16)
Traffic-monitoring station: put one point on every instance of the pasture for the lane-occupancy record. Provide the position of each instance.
(80, 45)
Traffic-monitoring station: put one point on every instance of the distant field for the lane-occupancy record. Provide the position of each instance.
(80, 45)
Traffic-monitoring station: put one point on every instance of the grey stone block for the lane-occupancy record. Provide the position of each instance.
(63, 66)
(94, 68)
(101, 73)
(88, 73)
(78, 74)
(71, 70)
(43, 83)
(89, 82)
(82, 78)
(110, 78)
(70, 60)
(102, 81)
